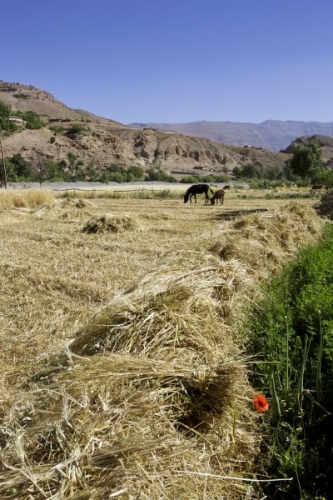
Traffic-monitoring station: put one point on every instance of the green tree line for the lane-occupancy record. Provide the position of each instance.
(42, 169)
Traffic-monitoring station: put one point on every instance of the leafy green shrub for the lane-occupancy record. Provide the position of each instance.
(33, 120)
(325, 177)
(6, 124)
(215, 178)
(75, 129)
(190, 179)
(57, 129)
(157, 174)
(21, 96)
(19, 169)
(291, 332)
(249, 171)
(135, 172)
(306, 160)
(266, 183)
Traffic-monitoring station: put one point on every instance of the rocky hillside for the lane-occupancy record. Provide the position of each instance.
(100, 141)
(273, 135)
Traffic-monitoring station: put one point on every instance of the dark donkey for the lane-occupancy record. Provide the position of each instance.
(197, 189)
(317, 187)
(218, 195)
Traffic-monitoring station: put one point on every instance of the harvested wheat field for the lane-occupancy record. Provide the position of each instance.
(123, 372)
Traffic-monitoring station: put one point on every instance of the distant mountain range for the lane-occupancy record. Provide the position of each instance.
(273, 135)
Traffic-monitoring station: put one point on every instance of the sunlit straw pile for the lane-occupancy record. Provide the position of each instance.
(68, 209)
(151, 398)
(110, 223)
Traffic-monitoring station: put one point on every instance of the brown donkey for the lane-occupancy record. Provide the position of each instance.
(218, 195)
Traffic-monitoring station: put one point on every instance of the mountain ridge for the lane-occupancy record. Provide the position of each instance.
(274, 135)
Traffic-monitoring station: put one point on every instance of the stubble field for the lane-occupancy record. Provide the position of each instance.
(122, 370)
(54, 276)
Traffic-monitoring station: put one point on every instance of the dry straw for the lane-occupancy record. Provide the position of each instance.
(30, 198)
(151, 399)
(110, 223)
(69, 209)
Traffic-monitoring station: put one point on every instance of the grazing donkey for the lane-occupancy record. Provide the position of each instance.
(317, 187)
(218, 195)
(197, 189)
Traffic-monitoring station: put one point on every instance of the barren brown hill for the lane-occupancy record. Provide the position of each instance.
(101, 141)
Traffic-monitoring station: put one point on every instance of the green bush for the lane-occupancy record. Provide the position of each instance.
(135, 172)
(5, 124)
(265, 183)
(249, 171)
(75, 129)
(157, 174)
(291, 333)
(33, 120)
(21, 96)
(19, 169)
(190, 179)
(57, 129)
(215, 178)
(193, 179)
(325, 177)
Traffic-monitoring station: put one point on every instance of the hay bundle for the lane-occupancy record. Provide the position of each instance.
(110, 223)
(156, 394)
(80, 203)
(179, 306)
(51, 210)
(325, 206)
(68, 210)
(263, 242)
(146, 427)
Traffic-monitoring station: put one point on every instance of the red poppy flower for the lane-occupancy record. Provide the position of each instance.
(260, 402)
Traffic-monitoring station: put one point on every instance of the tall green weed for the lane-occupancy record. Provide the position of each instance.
(291, 334)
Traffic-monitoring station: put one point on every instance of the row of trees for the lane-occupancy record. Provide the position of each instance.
(72, 170)
(303, 168)
(42, 170)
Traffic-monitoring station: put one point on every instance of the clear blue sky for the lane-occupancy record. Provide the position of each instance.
(175, 60)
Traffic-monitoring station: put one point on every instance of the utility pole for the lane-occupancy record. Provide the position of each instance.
(4, 167)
